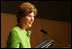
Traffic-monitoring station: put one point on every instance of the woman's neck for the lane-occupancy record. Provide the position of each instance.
(22, 27)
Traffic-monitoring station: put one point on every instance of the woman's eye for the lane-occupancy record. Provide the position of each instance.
(29, 16)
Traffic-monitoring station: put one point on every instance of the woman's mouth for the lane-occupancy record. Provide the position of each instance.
(30, 23)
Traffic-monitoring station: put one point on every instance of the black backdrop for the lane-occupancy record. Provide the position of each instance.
(51, 10)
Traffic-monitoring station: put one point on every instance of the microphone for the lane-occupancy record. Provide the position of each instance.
(43, 31)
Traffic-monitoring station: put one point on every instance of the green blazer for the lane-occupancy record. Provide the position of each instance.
(18, 39)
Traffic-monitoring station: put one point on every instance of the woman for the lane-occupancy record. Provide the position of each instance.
(19, 36)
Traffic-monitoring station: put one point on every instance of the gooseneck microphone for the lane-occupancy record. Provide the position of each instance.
(43, 31)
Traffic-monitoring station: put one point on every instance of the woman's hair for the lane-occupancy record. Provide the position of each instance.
(24, 9)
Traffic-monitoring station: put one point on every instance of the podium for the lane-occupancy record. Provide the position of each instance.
(46, 44)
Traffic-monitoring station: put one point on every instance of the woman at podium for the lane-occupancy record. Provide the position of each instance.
(19, 36)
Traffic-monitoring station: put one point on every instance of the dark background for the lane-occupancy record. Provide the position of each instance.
(51, 10)
(53, 16)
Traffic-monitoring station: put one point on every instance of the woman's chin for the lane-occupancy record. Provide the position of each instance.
(29, 26)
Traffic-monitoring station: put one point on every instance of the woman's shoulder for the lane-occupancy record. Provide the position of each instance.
(15, 28)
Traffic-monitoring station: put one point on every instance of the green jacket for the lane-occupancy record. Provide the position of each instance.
(18, 39)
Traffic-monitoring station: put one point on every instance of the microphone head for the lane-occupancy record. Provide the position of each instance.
(44, 31)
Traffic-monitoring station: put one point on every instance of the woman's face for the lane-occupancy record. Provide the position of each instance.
(28, 20)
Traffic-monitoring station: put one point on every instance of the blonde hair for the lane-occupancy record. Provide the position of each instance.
(24, 9)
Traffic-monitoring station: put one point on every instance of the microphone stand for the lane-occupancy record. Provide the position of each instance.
(55, 38)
